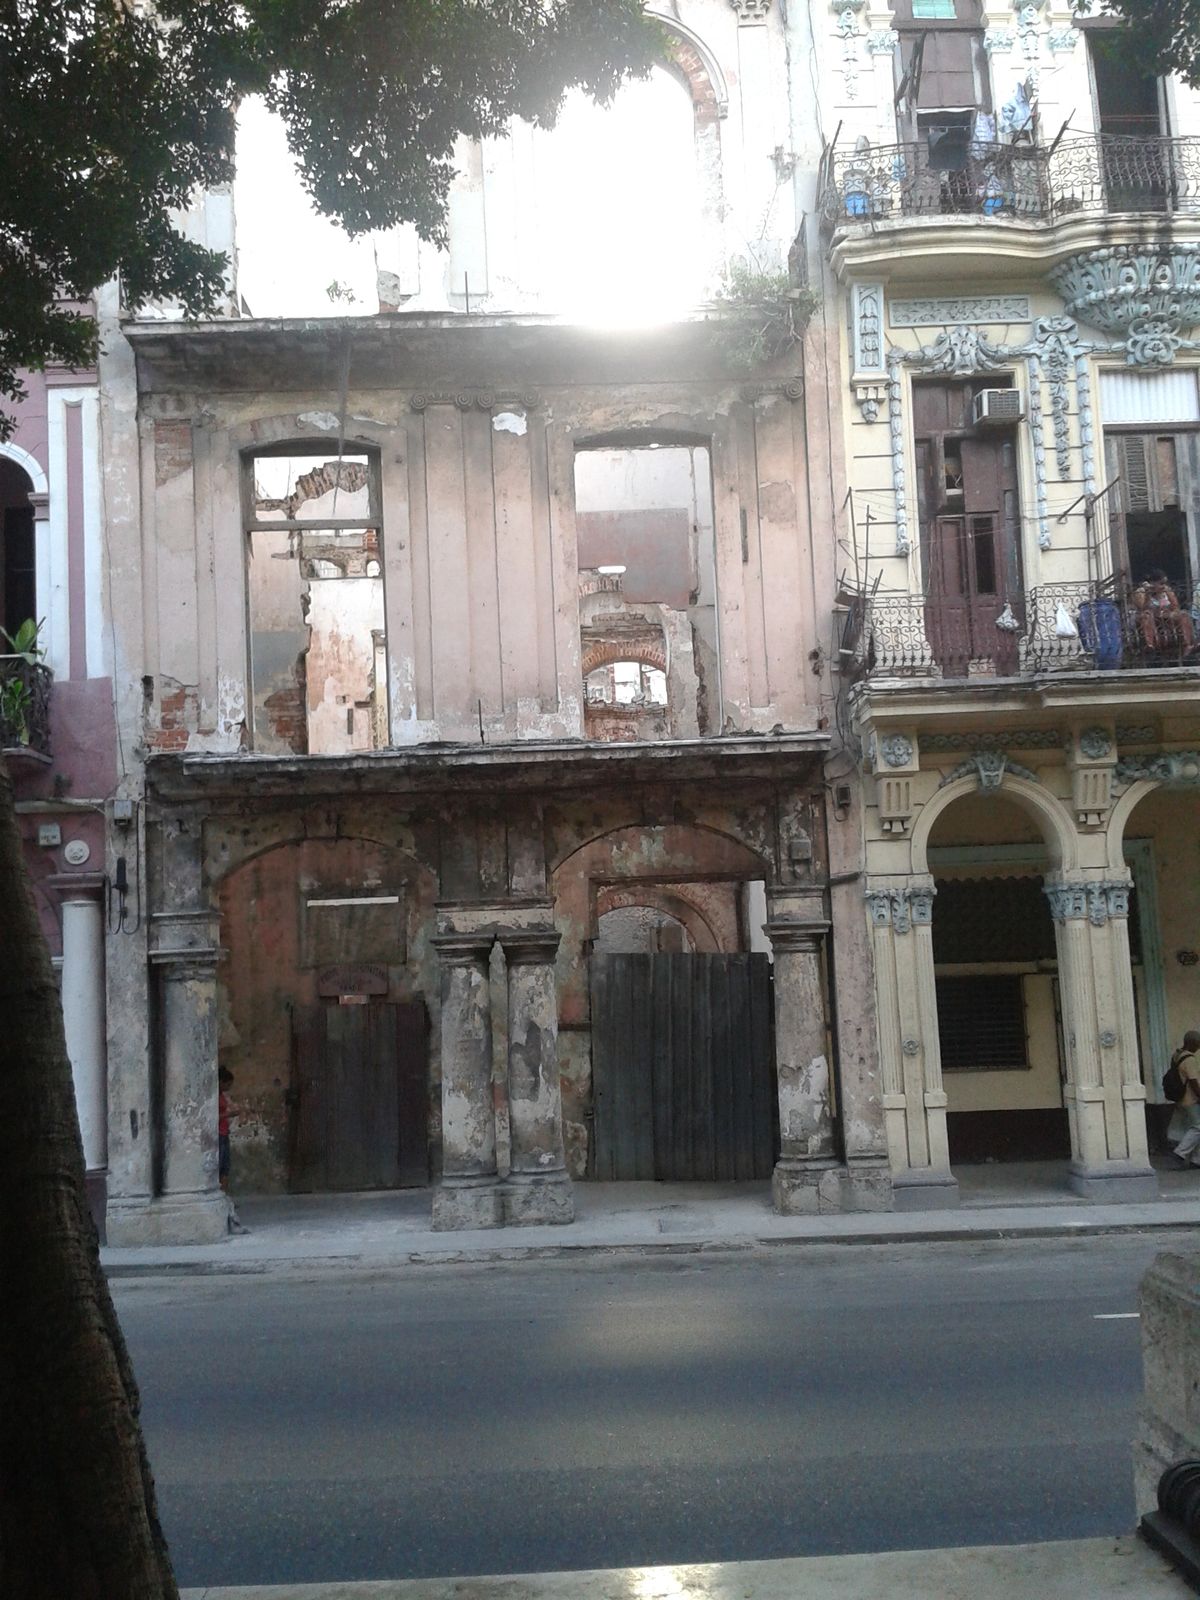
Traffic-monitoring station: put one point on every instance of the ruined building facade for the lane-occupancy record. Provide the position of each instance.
(476, 662)
(551, 749)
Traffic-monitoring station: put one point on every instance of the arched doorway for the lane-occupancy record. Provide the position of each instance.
(672, 1004)
(1154, 831)
(322, 1016)
(996, 985)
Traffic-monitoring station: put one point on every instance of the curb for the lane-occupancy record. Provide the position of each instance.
(566, 1252)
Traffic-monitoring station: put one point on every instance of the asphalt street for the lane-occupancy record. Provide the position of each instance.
(546, 1415)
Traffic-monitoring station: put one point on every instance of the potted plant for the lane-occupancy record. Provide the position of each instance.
(15, 697)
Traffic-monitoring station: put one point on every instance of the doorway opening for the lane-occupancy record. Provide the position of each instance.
(969, 518)
(647, 590)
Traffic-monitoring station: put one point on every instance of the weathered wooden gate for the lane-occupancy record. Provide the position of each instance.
(683, 1072)
(359, 1097)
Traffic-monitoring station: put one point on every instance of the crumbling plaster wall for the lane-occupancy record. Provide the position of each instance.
(479, 558)
(266, 976)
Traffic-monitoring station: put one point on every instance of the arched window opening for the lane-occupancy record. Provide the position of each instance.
(317, 635)
(18, 566)
(618, 204)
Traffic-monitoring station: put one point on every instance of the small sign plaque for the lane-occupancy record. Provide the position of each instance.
(361, 981)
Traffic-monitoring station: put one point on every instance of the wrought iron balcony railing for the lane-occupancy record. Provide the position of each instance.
(24, 705)
(1055, 627)
(1115, 173)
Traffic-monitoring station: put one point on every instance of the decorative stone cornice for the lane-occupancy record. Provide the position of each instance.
(530, 946)
(474, 400)
(1018, 738)
(465, 949)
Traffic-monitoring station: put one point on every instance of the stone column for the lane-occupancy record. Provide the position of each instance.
(82, 985)
(189, 1207)
(810, 1175)
(469, 1194)
(914, 1098)
(1104, 1091)
(539, 1189)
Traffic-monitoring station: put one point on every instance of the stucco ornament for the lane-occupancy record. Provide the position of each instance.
(1097, 901)
(1095, 744)
(936, 313)
(882, 41)
(988, 767)
(1057, 342)
(1146, 295)
(1152, 342)
(901, 909)
(997, 39)
(1062, 40)
(896, 749)
(911, 1047)
(847, 26)
(751, 10)
(1181, 769)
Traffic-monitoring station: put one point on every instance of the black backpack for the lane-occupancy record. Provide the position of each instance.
(1174, 1082)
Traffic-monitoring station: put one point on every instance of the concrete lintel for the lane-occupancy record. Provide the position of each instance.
(453, 769)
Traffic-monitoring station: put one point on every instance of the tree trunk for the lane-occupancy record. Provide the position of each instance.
(78, 1519)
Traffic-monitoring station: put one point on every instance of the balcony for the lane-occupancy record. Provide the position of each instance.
(1057, 628)
(1106, 173)
(24, 707)
(1001, 200)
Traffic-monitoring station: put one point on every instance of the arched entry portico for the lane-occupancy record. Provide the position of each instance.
(1103, 1090)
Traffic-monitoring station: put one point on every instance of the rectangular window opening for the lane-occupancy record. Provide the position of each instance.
(318, 651)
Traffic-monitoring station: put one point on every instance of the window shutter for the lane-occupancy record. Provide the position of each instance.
(1137, 492)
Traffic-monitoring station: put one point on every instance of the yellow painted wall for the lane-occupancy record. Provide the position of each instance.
(1037, 1087)
(1172, 821)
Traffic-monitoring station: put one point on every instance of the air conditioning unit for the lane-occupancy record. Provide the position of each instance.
(994, 407)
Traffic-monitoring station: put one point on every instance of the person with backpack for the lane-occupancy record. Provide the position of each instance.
(1181, 1083)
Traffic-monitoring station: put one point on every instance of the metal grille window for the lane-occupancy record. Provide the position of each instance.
(981, 1024)
(992, 919)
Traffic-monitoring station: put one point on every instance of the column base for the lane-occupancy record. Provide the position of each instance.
(816, 1187)
(1113, 1182)
(923, 1189)
(460, 1203)
(538, 1198)
(201, 1218)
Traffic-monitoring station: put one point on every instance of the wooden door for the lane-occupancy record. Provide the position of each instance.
(975, 604)
(359, 1097)
(683, 1072)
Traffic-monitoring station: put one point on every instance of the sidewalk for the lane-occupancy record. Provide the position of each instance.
(392, 1228)
(1081, 1569)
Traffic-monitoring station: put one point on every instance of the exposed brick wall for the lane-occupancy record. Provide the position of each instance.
(687, 59)
(178, 716)
(599, 655)
(172, 450)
